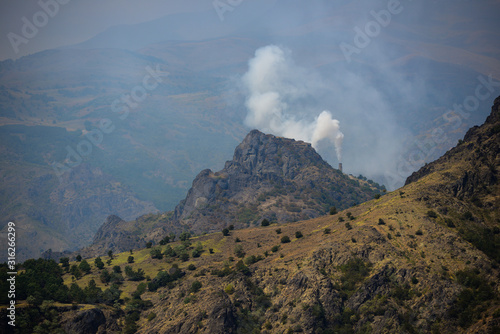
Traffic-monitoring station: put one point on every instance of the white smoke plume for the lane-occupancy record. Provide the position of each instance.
(275, 87)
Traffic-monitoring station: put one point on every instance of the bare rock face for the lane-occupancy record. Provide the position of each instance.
(86, 322)
(269, 177)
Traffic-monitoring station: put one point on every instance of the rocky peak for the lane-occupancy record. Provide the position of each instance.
(266, 154)
(269, 177)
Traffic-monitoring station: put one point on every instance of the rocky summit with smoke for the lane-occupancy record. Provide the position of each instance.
(274, 87)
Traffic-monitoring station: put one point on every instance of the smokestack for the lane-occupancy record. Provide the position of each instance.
(340, 166)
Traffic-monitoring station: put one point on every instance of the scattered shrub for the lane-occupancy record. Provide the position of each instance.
(468, 216)
(265, 222)
(195, 286)
(285, 239)
(229, 289)
(432, 214)
(238, 251)
(381, 221)
(298, 235)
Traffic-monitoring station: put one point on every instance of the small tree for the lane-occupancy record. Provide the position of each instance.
(156, 253)
(298, 235)
(130, 259)
(84, 266)
(333, 210)
(110, 254)
(117, 269)
(327, 231)
(75, 271)
(381, 221)
(231, 227)
(185, 236)
(165, 240)
(278, 231)
(64, 261)
(172, 236)
(225, 232)
(105, 276)
(78, 258)
(265, 222)
(98, 263)
(149, 244)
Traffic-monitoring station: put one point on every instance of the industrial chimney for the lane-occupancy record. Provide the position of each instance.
(340, 166)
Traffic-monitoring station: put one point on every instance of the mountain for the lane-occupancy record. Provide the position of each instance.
(422, 259)
(273, 178)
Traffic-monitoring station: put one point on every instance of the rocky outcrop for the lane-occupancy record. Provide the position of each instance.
(85, 322)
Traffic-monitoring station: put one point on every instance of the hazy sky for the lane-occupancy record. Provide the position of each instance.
(80, 20)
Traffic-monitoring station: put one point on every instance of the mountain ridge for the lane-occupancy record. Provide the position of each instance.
(269, 177)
